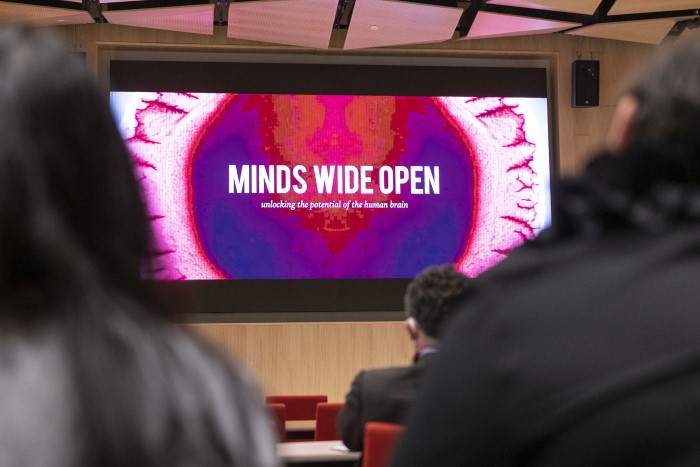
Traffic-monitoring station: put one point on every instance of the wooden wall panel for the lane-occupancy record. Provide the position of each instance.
(323, 357)
(318, 358)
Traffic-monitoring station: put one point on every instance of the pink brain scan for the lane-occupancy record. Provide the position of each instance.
(273, 186)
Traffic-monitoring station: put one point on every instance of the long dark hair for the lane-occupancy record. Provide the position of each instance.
(70, 209)
(74, 242)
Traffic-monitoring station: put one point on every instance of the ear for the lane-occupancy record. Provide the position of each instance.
(412, 328)
(618, 136)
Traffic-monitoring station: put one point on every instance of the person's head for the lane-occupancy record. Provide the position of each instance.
(429, 301)
(662, 104)
(71, 213)
(74, 241)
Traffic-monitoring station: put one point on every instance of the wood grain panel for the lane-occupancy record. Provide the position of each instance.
(311, 358)
(651, 31)
(626, 7)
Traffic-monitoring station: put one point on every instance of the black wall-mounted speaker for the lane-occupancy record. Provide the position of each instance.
(585, 79)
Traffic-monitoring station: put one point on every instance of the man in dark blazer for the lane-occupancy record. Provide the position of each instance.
(385, 395)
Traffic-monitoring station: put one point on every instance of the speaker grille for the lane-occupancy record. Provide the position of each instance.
(585, 80)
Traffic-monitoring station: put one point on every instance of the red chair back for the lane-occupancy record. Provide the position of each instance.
(298, 406)
(326, 413)
(379, 441)
(279, 418)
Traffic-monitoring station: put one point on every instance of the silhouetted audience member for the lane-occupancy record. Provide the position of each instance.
(91, 374)
(583, 347)
(386, 394)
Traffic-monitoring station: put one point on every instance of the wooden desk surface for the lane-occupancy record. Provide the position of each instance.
(300, 425)
(314, 451)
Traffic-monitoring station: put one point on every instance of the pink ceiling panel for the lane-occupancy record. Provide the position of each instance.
(306, 23)
(499, 25)
(380, 23)
(34, 15)
(651, 31)
(584, 7)
(197, 19)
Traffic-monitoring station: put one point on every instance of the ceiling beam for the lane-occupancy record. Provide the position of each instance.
(343, 14)
(152, 4)
(221, 13)
(603, 9)
(654, 15)
(536, 13)
(468, 17)
(50, 3)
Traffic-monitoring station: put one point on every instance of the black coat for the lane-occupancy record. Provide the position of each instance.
(580, 349)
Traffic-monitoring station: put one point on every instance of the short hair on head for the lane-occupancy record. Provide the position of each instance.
(430, 297)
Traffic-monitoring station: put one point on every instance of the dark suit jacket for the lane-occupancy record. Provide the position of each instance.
(382, 395)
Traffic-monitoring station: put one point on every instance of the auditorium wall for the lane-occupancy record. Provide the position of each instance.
(322, 357)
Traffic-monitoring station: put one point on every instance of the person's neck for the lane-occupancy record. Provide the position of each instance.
(425, 344)
(424, 341)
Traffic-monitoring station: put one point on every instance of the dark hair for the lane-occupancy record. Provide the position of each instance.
(70, 209)
(668, 92)
(431, 296)
(664, 126)
(74, 241)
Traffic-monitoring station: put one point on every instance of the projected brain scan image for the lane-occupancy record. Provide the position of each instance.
(265, 186)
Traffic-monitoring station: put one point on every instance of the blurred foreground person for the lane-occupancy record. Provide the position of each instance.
(90, 374)
(386, 394)
(583, 347)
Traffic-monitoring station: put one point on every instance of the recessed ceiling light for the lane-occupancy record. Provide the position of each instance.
(374, 27)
